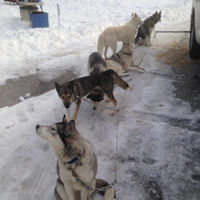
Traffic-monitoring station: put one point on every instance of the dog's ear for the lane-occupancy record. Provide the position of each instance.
(72, 125)
(69, 129)
(57, 86)
(136, 16)
(159, 13)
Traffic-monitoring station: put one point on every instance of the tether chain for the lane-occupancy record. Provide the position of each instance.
(116, 156)
(88, 187)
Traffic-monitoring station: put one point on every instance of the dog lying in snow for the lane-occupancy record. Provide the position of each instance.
(122, 62)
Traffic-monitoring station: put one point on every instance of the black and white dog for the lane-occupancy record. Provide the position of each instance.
(144, 32)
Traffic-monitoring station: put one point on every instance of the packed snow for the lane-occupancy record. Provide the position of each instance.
(158, 140)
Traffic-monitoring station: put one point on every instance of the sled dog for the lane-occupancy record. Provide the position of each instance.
(144, 32)
(122, 62)
(73, 91)
(125, 33)
(96, 65)
(76, 162)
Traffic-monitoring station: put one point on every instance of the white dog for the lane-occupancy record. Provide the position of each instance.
(125, 33)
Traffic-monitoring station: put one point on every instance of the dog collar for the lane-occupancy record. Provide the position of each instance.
(128, 54)
(75, 159)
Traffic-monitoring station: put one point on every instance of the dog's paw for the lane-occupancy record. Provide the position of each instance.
(129, 88)
(112, 113)
(142, 69)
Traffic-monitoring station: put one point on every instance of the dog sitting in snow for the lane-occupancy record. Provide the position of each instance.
(77, 162)
(144, 32)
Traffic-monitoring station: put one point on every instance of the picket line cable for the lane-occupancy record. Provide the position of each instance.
(116, 148)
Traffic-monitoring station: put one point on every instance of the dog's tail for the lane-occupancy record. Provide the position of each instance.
(118, 80)
(100, 44)
(137, 38)
(109, 193)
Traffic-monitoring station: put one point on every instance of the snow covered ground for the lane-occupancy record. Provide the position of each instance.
(25, 51)
(158, 133)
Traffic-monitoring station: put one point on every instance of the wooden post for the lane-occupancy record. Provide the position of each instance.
(58, 9)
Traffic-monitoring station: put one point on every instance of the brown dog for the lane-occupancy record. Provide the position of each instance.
(73, 91)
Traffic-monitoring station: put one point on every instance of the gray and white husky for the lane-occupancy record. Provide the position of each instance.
(77, 162)
(144, 32)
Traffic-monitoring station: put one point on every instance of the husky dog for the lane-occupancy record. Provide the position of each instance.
(73, 91)
(77, 162)
(125, 33)
(96, 64)
(122, 62)
(144, 32)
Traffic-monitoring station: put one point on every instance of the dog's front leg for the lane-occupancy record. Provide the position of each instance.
(135, 67)
(147, 40)
(84, 194)
(70, 192)
(60, 192)
(124, 67)
(67, 116)
(78, 103)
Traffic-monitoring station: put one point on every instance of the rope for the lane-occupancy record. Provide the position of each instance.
(116, 149)
(141, 60)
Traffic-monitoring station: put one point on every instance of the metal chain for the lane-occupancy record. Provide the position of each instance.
(116, 149)
(88, 187)
(75, 175)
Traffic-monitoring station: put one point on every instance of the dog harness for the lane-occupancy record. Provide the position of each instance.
(85, 185)
(127, 54)
(88, 187)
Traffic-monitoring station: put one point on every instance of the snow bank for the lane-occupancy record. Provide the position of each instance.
(24, 50)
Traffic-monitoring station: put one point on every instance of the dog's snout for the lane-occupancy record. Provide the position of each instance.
(67, 105)
(37, 126)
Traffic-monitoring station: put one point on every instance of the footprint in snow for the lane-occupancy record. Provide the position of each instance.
(22, 116)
